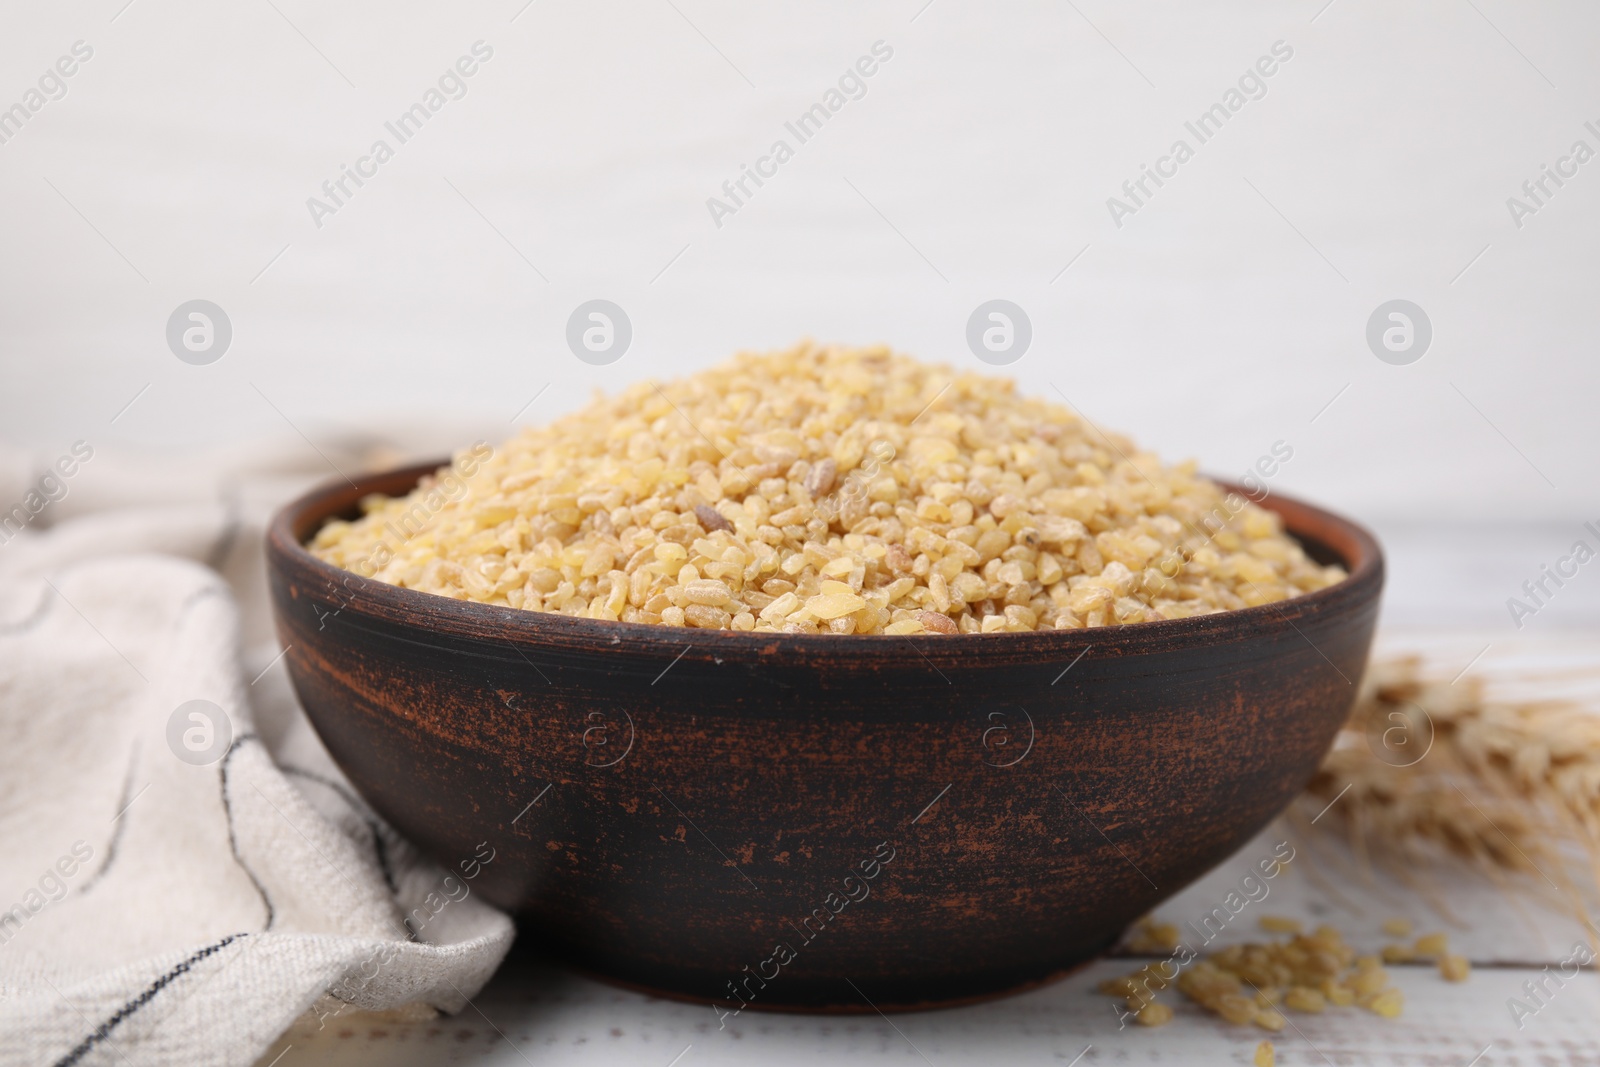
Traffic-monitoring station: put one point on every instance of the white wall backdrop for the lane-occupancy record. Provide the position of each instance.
(1227, 313)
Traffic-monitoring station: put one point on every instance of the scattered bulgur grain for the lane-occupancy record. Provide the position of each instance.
(1398, 954)
(1266, 1055)
(1431, 946)
(1304, 998)
(920, 490)
(1117, 987)
(1253, 983)
(1271, 1019)
(1151, 936)
(1236, 1008)
(1388, 1003)
(1152, 976)
(1369, 982)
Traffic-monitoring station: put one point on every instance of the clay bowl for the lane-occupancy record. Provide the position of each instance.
(819, 822)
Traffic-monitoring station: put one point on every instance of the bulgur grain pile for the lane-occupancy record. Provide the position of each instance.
(1256, 983)
(828, 490)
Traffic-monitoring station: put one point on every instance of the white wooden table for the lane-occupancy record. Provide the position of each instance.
(534, 1014)
(543, 1017)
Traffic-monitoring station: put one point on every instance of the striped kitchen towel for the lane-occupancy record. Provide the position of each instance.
(184, 874)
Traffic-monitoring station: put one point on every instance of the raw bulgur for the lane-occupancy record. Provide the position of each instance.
(829, 490)
(1255, 983)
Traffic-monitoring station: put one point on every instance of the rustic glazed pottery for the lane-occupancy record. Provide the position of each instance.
(819, 822)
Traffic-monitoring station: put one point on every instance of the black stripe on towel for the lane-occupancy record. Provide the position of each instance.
(233, 840)
(103, 1031)
(380, 849)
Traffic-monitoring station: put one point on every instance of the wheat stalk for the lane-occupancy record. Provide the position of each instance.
(1426, 769)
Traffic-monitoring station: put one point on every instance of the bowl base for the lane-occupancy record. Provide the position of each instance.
(852, 1001)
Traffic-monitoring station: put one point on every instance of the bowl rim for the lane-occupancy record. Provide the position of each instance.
(1356, 547)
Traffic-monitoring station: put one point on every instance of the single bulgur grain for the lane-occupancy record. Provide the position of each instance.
(1149, 935)
(1152, 976)
(711, 519)
(1154, 1014)
(1431, 946)
(1270, 1019)
(1117, 987)
(1454, 968)
(1398, 954)
(1235, 1007)
(1266, 1055)
(1278, 924)
(1304, 998)
(1368, 982)
(828, 490)
(1397, 927)
(1388, 1003)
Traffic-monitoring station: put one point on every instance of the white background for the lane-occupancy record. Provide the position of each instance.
(1221, 318)
(1228, 314)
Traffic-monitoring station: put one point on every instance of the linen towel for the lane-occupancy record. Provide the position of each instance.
(184, 873)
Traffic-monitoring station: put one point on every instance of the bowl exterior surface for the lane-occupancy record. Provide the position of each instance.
(819, 822)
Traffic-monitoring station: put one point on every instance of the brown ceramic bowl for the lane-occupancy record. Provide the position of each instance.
(820, 822)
